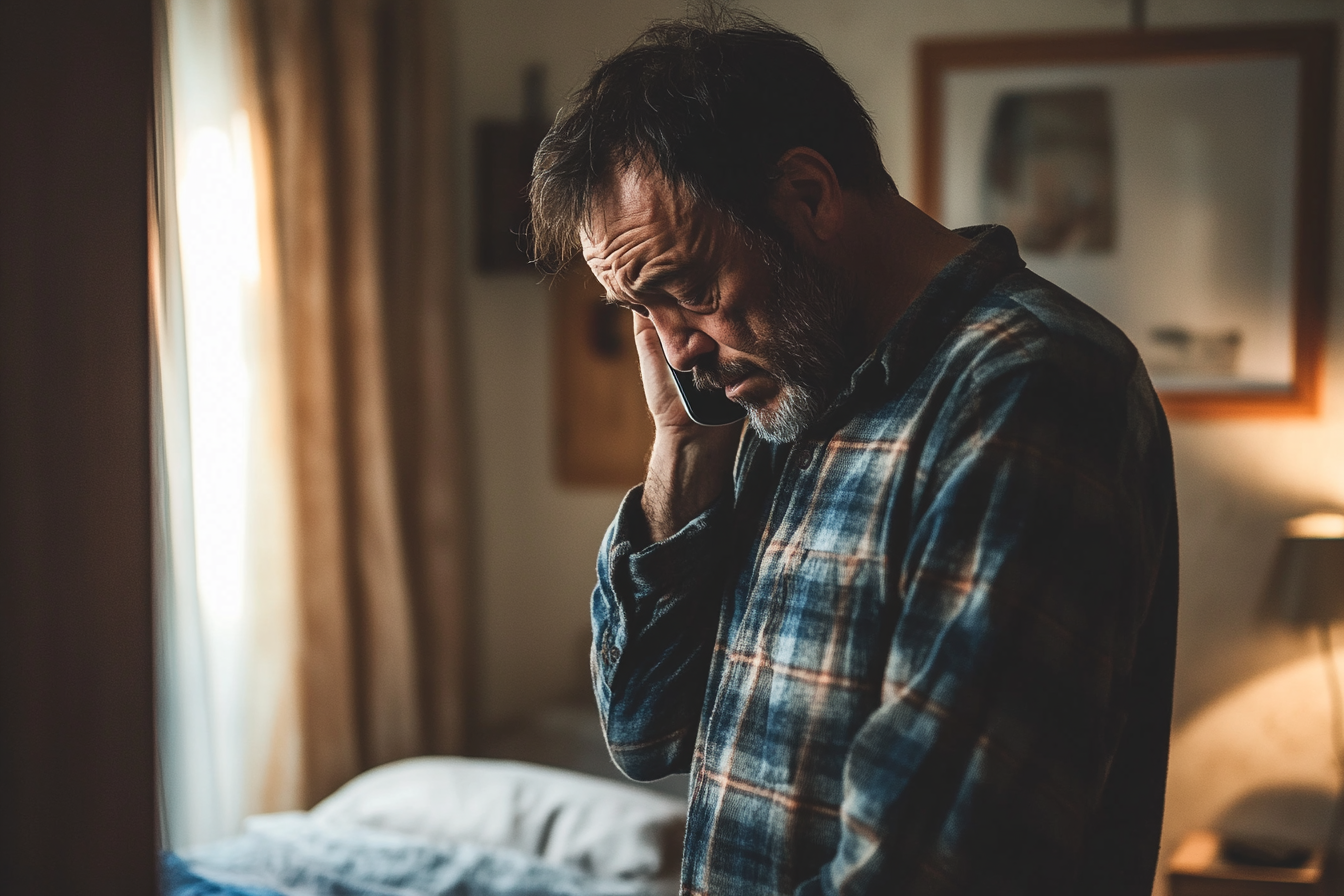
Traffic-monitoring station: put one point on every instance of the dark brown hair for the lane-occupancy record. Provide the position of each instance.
(712, 102)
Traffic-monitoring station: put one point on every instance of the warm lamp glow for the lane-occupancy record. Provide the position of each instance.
(1315, 525)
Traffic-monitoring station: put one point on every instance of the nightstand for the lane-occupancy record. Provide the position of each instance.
(1199, 869)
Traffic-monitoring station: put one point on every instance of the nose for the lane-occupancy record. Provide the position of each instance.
(682, 344)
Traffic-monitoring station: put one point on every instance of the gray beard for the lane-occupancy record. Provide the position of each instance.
(803, 352)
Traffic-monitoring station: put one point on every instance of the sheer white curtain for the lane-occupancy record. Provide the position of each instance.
(217, 457)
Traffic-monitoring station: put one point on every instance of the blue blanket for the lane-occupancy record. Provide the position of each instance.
(290, 854)
(176, 879)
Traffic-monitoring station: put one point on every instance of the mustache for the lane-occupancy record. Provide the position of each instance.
(711, 374)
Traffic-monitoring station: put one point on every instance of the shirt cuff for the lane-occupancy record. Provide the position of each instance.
(676, 562)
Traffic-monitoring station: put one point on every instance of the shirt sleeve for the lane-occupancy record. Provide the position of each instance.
(1024, 579)
(655, 614)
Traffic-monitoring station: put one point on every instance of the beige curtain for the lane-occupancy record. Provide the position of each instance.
(360, 643)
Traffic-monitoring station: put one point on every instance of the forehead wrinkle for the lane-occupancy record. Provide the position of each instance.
(643, 233)
(617, 261)
(650, 281)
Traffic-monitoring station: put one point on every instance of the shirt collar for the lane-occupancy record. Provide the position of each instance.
(911, 343)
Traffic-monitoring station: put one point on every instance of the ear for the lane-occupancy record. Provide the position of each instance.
(807, 198)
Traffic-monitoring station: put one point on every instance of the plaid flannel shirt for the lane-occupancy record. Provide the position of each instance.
(929, 647)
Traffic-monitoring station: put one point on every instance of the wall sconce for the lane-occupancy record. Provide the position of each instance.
(504, 151)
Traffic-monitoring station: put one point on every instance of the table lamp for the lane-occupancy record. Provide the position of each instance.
(1306, 588)
(1307, 583)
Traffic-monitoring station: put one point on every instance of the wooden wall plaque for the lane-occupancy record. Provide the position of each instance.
(601, 425)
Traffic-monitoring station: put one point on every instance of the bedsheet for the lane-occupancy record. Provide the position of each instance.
(292, 854)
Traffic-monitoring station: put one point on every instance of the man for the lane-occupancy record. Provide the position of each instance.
(913, 630)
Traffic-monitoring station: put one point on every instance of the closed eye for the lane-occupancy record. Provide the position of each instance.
(698, 298)
(681, 283)
(628, 306)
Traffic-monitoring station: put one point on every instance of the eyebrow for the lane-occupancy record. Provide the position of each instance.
(647, 283)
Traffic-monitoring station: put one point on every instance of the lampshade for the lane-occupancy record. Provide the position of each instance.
(1306, 586)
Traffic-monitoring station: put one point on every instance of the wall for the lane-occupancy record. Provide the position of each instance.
(1250, 703)
(538, 540)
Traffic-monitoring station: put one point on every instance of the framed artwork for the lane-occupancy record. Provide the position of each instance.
(1177, 181)
(602, 428)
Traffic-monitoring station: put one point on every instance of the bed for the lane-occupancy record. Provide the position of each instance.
(448, 826)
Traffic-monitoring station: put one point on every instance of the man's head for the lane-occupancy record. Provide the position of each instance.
(757, 317)
(667, 167)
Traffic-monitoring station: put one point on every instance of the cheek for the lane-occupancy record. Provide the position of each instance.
(747, 296)
(748, 331)
(734, 333)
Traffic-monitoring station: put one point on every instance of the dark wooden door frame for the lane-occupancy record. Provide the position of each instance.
(77, 813)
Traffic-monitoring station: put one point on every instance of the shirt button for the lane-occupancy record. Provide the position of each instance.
(805, 458)
(613, 654)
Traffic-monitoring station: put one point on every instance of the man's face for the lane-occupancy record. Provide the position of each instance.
(755, 317)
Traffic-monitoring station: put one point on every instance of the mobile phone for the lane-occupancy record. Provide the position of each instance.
(708, 407)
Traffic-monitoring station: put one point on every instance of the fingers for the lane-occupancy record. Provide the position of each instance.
(690, 466)
(660, 392)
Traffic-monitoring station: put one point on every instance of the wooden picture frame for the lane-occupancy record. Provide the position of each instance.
(1178, 180)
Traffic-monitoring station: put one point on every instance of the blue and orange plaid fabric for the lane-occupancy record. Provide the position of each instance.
(929, 647)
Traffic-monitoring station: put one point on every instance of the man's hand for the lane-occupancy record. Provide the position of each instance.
(690, 465)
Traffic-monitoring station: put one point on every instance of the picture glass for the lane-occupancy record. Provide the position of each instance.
(1162, 195)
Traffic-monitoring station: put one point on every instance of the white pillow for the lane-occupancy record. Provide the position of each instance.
(602, 827)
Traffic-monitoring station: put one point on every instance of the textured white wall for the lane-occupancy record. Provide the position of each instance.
(1250, 703)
